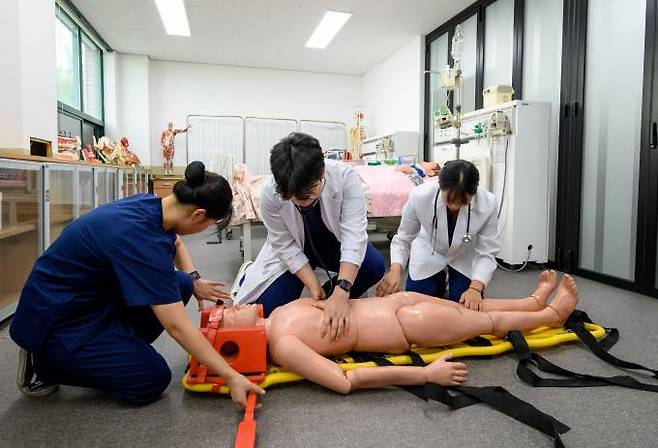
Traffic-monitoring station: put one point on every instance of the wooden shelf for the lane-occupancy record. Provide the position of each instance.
(29, 158)
(28, 226)
(17, 230)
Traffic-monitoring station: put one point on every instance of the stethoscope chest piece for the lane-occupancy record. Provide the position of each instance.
(466, 238)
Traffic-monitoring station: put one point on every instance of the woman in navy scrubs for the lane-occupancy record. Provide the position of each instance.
(107, 287)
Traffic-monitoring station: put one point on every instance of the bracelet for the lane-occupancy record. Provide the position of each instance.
(475, 289)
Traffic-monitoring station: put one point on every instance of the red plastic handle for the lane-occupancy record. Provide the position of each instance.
(246, 436)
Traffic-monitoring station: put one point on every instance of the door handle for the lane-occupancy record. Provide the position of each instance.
(653, 141)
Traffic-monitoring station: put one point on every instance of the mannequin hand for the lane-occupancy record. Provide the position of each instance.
(336, 315)
(209, 290)
(390, 283)
(240, 387)
(471, 299)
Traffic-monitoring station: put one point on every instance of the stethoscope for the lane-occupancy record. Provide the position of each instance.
(466, 238)
(303, 211)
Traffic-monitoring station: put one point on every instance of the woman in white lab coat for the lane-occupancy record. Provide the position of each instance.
(315, 214)
(448, 226)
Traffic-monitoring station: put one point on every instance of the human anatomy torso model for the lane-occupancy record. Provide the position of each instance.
(167, 141)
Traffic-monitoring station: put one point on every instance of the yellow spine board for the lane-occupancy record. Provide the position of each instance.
(538, 339)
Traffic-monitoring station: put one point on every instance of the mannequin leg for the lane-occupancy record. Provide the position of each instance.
(535, 302)
(441, 323)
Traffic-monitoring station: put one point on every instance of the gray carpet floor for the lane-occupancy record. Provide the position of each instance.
(304, 415)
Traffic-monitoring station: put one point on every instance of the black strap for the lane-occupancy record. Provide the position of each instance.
(478, 341)
(495, 396)
(527, 357)
(576, 323)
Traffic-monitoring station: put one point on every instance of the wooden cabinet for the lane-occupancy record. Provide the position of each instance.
(163, 186)
(38, 198)
(21, 227)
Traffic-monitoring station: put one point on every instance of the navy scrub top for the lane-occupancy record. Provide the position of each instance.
(116, 256)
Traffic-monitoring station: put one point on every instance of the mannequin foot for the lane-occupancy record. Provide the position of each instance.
(565, 300)
(546, 285)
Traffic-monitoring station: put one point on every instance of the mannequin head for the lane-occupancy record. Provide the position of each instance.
(240, 316)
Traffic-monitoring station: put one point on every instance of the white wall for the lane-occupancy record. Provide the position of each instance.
(392, 92)
(179, 89)
(38, 70)
(132, 104)
(11, 116)
(110, 92)
(28, 88)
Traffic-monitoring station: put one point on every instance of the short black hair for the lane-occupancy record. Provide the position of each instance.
(297, 163)
(206, 190)
(459, 178)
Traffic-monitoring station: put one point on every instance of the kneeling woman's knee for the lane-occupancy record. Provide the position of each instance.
(150, 385)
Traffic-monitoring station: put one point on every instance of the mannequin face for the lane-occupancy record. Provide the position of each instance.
(170, 126)
(240, 316)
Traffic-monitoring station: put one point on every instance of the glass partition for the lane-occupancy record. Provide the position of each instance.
(86, 190)
(21, 193)
(62, 201)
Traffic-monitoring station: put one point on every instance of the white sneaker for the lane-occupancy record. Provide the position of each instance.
(27, 381)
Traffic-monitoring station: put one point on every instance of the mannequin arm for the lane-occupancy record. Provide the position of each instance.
(290, 352)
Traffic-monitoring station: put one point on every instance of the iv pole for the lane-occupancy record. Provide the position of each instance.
(456, 122)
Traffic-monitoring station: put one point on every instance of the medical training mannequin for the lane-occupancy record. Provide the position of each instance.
(394, 323)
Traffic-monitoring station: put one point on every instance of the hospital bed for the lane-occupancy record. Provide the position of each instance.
(386, 191)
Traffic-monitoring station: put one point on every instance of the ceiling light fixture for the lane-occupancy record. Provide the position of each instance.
(174, 17)
(327, 29)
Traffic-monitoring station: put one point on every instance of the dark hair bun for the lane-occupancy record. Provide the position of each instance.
(195, 174)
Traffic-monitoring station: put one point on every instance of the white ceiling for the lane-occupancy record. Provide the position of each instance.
(270, 33)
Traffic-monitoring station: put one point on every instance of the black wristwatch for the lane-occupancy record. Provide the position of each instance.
(345, 285)
(194, 275)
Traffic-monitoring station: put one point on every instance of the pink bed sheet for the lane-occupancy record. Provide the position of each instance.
(387, 189)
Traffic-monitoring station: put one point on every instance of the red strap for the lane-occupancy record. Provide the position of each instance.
(214, 320)
(246, 436)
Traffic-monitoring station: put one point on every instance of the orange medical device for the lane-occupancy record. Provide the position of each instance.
(243, 348)
(246, 436)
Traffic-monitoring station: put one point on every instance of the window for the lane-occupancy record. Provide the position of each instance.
(469, 65)
(92, 81)
(79, 80)
(499, 42)
(68, 65)
(491, 53)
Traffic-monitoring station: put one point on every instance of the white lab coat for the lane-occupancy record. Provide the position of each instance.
(343, 208)
(413, 241)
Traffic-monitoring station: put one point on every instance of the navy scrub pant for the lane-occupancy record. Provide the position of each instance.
(119, 361)
(435, 285)
(288, 287)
